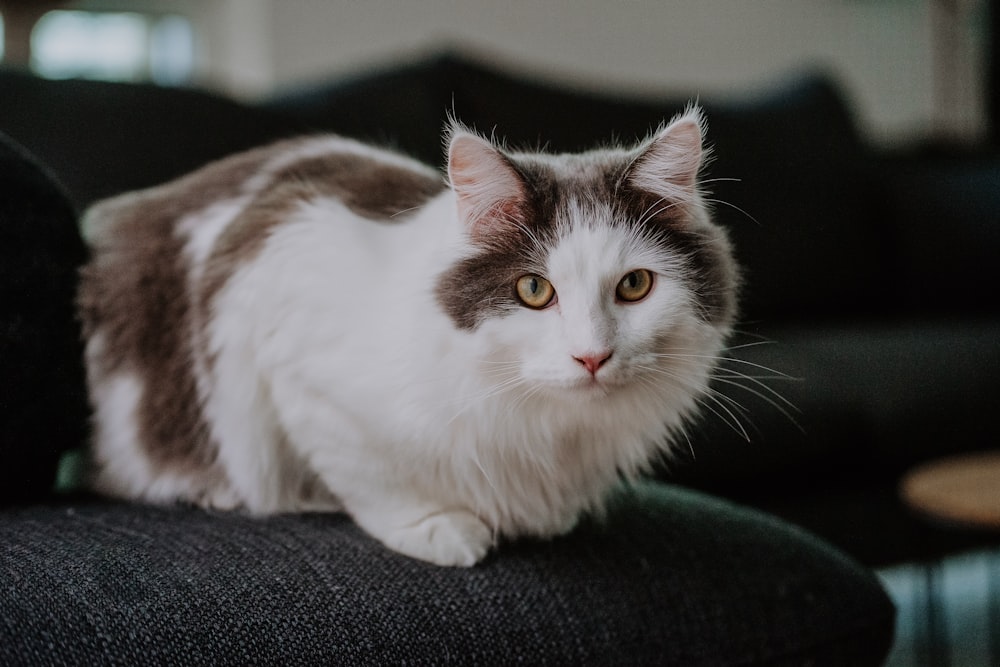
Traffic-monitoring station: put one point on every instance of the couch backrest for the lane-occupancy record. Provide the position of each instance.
(803, 211)
(802, 208)
(103, 138)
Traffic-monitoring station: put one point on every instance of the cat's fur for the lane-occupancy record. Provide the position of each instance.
(322, 325)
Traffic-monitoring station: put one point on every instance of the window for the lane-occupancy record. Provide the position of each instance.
(117, 46)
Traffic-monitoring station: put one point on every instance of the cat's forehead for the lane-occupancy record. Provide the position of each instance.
(595, 175)
(594, 240)
(586, 188)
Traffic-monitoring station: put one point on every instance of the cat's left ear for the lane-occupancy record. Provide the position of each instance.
(668, 163)
(491, 195)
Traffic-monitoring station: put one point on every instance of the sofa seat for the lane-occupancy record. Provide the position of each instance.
(670, 576)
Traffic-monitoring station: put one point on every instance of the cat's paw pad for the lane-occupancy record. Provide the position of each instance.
(453, 538)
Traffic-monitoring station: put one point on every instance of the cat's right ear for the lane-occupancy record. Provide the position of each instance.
(490, 194)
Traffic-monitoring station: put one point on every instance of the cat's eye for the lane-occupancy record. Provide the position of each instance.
(635, 285)
(534, 291)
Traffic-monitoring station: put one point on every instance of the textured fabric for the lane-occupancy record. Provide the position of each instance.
(669, 577)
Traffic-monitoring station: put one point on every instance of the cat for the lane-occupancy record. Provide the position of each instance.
(322, 325)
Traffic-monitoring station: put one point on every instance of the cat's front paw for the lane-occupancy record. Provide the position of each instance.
(450, 538)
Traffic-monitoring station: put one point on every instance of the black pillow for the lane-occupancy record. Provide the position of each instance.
(43, 405)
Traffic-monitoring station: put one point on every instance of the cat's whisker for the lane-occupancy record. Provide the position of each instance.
(524, 397)
(731, 376)
(474, 455)
(733, 421)
(776, 404)
(406, 210)
(751, 334)
(721, 179)
(682, 429)
(744, 346)
(723, 373)
(726, 359)
(734, 207)
(652, 213)
(537, 246)
(484, 395)
(721, 400)
(763, 391)
(499, 372)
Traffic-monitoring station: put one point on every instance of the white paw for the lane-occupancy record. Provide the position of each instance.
(447, 538)
(220, 498)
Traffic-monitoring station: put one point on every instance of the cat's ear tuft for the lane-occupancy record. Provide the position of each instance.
(669, 162)
(490, 193)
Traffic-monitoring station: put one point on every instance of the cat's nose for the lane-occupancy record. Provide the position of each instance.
(592, 361)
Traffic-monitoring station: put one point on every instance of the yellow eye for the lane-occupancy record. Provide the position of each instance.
(534, 291)
(635, 285)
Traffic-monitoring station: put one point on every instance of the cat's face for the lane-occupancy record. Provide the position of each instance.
(591, 273)
(598, 315)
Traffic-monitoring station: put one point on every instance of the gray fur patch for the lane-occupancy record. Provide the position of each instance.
(368, 187)
(134, 291)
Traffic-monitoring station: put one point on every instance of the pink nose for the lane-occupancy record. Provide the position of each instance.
(593, 361)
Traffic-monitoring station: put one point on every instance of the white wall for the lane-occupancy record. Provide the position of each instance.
(881, 50)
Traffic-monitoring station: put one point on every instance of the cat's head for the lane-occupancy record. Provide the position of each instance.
(591, 272)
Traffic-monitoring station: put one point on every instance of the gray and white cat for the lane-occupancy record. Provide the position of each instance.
(323, 325)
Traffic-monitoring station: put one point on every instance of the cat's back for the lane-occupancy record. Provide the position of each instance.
(149, 247)
(373, 183)
(160, 256)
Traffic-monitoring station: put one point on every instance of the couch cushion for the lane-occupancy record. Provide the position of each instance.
(669, 577)
(887, 395)
(866, 400)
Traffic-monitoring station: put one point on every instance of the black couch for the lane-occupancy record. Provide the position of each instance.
(868, 306)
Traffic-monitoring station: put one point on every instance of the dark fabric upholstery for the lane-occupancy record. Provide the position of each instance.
(669, 577)
(43, 405)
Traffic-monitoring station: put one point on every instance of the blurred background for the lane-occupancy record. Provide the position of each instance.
(872, 184)
(914, 69)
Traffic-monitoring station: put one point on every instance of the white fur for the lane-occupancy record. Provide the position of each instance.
(408, 420)
(328, 356)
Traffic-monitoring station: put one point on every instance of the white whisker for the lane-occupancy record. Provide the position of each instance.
(767, 399)
(735, 207)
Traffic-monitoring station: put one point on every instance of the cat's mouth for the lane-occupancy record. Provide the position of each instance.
(576, 388)
(601, 383)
